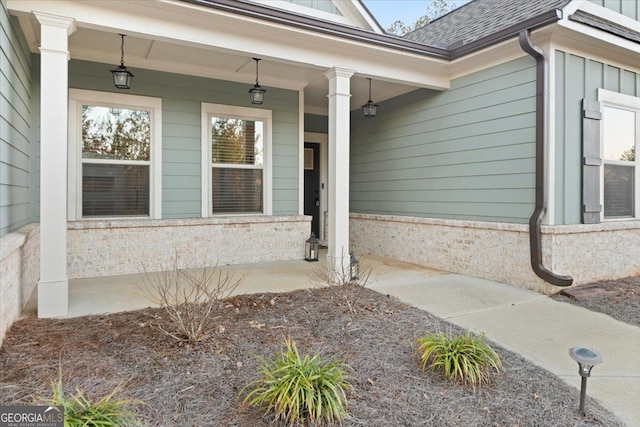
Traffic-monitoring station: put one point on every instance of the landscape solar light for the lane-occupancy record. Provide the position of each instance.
(587, 358)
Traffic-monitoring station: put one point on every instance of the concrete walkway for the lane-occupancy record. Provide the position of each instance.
(526, 322)
(540, 329)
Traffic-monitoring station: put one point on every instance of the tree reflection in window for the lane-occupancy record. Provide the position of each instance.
(126, 136)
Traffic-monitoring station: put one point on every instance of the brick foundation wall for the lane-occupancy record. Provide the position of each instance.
(19, 272)
(590, 252)
(500, 251)
(101, 248)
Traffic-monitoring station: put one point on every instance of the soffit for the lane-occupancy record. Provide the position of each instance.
(171, 38)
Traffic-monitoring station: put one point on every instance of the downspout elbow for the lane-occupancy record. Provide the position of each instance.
(535, 222)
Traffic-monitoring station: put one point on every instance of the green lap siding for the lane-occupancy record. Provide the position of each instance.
(181, 131)
(465, 153)
(577, 78)
(16, 145)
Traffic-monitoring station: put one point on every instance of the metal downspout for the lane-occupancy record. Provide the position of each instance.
(535, 234)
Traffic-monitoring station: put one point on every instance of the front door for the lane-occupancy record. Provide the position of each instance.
(312, 185)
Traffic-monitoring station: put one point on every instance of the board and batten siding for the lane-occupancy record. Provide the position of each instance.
(16, 148)
(630, 8)
(181, 120)
(465, 153)
(579, 78)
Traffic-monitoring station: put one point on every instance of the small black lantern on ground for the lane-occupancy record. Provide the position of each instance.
(354, 267)
(587, 358)
(311, 248)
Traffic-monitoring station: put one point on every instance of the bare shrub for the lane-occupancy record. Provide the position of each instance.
(188, 298)
(339, 279)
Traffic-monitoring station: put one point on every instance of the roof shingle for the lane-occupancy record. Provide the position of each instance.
(479, 19)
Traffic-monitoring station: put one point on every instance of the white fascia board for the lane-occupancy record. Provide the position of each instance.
(599, 38)
(594, 47)
(600, 12)
(487, 58)
(183, 23)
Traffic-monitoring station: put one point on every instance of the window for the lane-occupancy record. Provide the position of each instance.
(115, 158)
(620, 140)
(236, 160)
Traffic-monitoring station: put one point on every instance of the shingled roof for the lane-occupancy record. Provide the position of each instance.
(479, 19)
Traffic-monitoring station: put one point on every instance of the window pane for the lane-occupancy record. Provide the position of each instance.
(115, 190)
(235, 141)
(618, 191)
(619, 134)
(115, 134)
(237, 190)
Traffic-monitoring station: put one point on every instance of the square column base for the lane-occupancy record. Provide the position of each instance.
(53, 298)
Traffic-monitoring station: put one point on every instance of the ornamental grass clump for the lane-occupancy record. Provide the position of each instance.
(300, 389)
(79, 411)
(464, 358)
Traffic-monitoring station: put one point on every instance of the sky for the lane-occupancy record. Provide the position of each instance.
(408, 11)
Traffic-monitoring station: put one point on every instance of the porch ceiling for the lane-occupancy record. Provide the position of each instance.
(96, 39)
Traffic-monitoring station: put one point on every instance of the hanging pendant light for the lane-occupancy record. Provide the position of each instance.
(370, 109)
(256, 92)
(122, 76)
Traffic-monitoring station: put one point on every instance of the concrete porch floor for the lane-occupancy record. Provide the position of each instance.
(112, 294)
(531, 324)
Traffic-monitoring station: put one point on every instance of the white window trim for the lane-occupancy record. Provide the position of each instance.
(78, 97)
(626, 102)
(245, 113)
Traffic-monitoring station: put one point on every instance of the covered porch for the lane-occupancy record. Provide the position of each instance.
(191, 59)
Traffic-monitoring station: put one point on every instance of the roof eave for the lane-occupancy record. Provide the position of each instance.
(308, 23)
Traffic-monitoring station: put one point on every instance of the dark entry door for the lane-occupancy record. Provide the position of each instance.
(312, 185)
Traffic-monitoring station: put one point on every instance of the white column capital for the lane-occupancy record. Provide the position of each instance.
(51, 20)
(54, 32)
(339, 72)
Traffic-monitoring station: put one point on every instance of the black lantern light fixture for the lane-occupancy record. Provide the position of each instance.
(256, 92)
(122, 76)
(354, 267)
(115, 111)
(311, 248)
(587, 358)
(370, 109)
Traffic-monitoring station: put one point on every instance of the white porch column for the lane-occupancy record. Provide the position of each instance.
(53, 298)
(339, 129)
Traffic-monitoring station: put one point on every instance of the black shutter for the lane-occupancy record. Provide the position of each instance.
(591, 162)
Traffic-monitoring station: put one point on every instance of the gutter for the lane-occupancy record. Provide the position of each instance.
(535, 233)
(458, 49)
(278, 16)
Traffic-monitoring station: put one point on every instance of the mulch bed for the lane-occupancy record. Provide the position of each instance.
(198, 385)
(619, 299)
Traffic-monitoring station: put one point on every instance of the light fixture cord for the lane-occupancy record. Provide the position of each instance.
(122, 50)
(257, 60)
(370, 90)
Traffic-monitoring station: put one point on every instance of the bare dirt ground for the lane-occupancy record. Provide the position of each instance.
(199, 385)
(621, 299)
